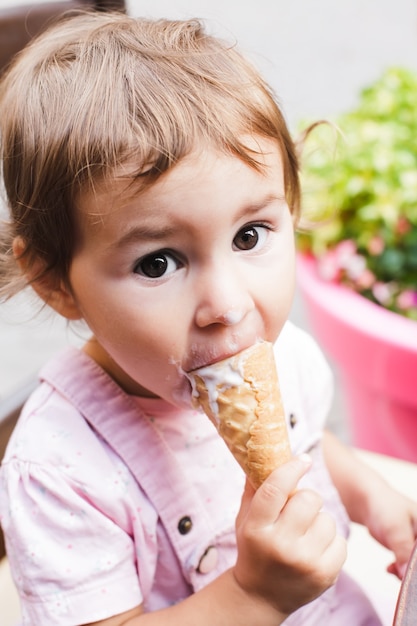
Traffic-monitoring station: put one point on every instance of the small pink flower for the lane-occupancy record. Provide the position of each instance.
(366, 279)
(407, 299)
(376, 245)
(345, 250)
(355, 266)
(382, 292)
(328, 267)
(403, 225)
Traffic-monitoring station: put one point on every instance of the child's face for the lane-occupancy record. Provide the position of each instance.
(195, 268)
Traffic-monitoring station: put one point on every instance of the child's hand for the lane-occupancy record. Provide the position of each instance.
(392, 520)
(288, 549)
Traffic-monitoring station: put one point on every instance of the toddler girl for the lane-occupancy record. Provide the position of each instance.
(153, 191)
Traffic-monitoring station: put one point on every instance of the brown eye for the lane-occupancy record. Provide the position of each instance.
(252, 237)
(246, 239)
(156, 265)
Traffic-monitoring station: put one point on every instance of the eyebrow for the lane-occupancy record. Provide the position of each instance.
(149, 233)
(263, 204)
(136, 233)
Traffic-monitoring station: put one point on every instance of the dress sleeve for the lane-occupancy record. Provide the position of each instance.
(71, 562)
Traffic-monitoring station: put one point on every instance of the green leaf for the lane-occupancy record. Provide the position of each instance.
(359, 179)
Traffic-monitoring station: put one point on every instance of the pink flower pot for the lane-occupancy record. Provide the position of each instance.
(376, 353)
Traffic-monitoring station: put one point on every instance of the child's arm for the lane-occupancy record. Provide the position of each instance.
(288, 554)
(369, 500)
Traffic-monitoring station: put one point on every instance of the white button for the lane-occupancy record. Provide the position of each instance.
(208, 561)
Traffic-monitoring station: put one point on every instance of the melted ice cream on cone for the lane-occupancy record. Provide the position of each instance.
(241, 396)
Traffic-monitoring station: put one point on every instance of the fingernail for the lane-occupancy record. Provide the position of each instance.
(401, 570)
(305, 459)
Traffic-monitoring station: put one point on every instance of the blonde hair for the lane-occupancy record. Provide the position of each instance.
(100, 90)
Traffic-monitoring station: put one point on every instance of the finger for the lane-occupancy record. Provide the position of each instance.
(333, 559)
(413, 514)
(270, 498)
(323, 529)
(401, 541)
(397, 570)
(300, 512)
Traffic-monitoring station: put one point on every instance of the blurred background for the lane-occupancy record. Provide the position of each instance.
(316, 56)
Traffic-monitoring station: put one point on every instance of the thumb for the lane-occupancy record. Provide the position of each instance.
(247, 496)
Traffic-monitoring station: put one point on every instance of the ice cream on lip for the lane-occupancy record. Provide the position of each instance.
(209, 354)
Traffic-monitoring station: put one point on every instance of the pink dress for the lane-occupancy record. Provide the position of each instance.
(108, 501)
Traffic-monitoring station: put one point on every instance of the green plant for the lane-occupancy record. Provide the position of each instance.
(360, 194)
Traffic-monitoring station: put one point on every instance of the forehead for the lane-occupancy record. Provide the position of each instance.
(205, 171)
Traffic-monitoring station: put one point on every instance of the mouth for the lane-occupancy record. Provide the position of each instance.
(208, 362)
(209, 355)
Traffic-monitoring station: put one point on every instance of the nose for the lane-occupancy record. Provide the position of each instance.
(224, 297)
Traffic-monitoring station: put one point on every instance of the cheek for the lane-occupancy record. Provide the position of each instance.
(279, 268)
(277, 288)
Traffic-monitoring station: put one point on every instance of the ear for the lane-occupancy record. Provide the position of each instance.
(51, 290)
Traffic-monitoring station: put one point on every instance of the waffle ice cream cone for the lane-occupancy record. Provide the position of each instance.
(241, 396)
